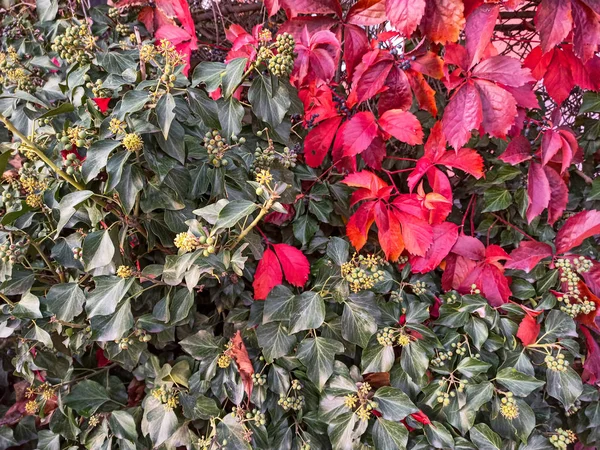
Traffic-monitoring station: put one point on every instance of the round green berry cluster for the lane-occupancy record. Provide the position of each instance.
(142, 336)
(114, 14)
(72, 163)
(122, 29)
(77, 253)
(419, 287)
(450, 298)
(574, 309)
(10, 197)
(96, 86)
(402, 259)
(386, 337)
(74, 45)
(77, 135)
(216, 148)
(282, 64)
(293, 403)
(13, 253)
(288, 158)
(259, 379)
(256, 416)
(263, 158)
(444, 397)
(573, 409)
(305, 446)
(557, 364)
(168, 77)
(562, 438)
(508, 407)
(123, 343)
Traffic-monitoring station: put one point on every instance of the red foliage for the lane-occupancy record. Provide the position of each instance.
(284, 260)
(242, 360)
(529, 328)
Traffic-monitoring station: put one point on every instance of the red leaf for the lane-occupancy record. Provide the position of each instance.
(553, 21)
(466, 159)
(356, 44)
(457, 269)
(357, 228)
(443, 20)
(479, 30)
(503, 69)
(423, 92)
(445, 235)
(558, 79)
(518, 150)
(359, 133)
(423, 165)
(538, 191)
(416, 233)
(398, 94)
(529, 329)
(272, 6)
(499, 108)
(367, 12)
(389, 232)
(403, 125)
(576, 229)
(421, 417)
(469, 247)
(102, 104)
(528, 255)
(371, 79)
(277, 218)
(365, 180)
(588, 319)
(491, 281)
(294, 264)
(462, 114)
(318, 141)
(317, 55)
(587, 30)
(551, 145)
(295, 7)
(375, 153)
(242, 360)
(591, 367)
(559, 193)
(405, 15)
(268, 275)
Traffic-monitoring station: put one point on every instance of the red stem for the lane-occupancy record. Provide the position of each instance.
(505, 222)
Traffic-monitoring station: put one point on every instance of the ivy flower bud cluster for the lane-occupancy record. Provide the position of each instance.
(392, 336)
(216, 147)
(449, 388)
(557, 364)
(361, 402)
(362, 272)
(13, 253)
(282, 64)
(168, 397)
(75, 45)
(562, 438)
(187, 242)
(508, 407)
(293, 400)
(572, 302)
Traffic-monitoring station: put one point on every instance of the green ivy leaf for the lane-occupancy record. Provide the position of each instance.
(109, 291)
(517, 382)
(274, 340)
(233, 212)
(269, 106)
(98, 250)
(86, 397)
(389, 435)
(65, 301)
(496, 199)
(318, 355)
(308, 311)
(484, 438)
(165, 113)
(565, 386)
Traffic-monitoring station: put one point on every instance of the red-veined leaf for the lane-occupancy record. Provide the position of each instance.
(367, 12)
(504, 70)
(357, 228)
(373, 186)
(403, 125)
(478, 31)
(528, 255)
(588, 319)
(375, 153)
(389, 232)
(466, 159)
(577, 229)
(529, 329)
(538, 191)
(499, 108)
(268, 275)
(405, 15)
(559, 193)
(551, 144)
(586, 36)
(469, 247)
(462, 114)
(424, 93)
(416, 233)
(294, 264)
(398, 94)
(356, 44)
(359, 133)
(518, 150)
(319, 139)
(553, 21)
(591, 367)
(445, 235)
(443, 20)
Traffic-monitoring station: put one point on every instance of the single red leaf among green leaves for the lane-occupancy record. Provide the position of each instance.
(528, 255)
(577, 229)
(242, 360)
(294, 264)
(529, 328)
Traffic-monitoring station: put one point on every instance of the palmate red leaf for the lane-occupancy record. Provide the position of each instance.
(242, 360)
(588, 319)
(294, 264)
(538, 191)
(553, 20)
(424, 93)
(367, 12)
(445, 235)
(587, 30)
(416, 233)
(405, 15)
(272, 6)
(551, 145)
(268, 275)
(466, 159)
(462, 114)
(491, 281)
(319, 140)
(369, 182)
(504, 70)
(390, 234)
(403, 125)
(518, 150)
(559, 193)
(294, 7)
(370, 76)
(359, 133)
(576, 229)
(528, 255)
(443, 20)
(317, 55)
(375, 153)
(356, 44)
(591, 367)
